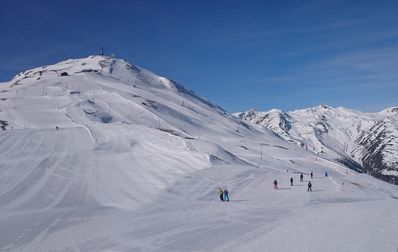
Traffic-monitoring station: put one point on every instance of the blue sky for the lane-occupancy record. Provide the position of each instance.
(238, 54)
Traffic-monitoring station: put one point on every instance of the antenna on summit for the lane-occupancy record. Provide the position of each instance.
(102, 51)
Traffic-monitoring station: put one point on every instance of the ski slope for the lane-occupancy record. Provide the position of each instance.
(136, 162)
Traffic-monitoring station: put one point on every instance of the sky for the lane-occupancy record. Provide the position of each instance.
(238, 54)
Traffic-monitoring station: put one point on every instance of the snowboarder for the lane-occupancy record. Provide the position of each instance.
(226, 194)
(309, 186)
(301, 177)
(291, 181)
(221, 193)
(275, 184)
(312, 175)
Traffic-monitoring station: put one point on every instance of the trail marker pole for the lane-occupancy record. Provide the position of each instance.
(261, 153)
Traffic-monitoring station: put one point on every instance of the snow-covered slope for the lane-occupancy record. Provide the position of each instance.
(117, 119)
(362, 141)
(97, 154)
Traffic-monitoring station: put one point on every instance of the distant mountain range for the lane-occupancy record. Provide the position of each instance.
(365, 142)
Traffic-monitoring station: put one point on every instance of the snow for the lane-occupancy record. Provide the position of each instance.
(390, 173)
(369, 139)
(136, 162)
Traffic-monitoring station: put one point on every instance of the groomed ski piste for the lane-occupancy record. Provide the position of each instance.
(136, 162)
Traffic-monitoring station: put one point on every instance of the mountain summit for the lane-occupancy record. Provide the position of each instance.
(118, 120)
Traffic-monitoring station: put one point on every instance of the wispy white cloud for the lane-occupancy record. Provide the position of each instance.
(243, 35)
(367, 68)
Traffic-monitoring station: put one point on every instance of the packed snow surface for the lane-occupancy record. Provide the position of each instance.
(97, 154)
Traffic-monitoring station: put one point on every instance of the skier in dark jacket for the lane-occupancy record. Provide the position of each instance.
(312, 175)
(291, 181)
(275, 184)
(301, 177)
(309, 186)
(221, 193)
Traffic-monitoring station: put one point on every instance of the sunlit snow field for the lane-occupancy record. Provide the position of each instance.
(136, 162)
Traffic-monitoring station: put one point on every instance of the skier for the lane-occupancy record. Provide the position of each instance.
(309, 186)
(56, 128)
(221, 193)
(275, 184)
(226, 194)
(291, 181)
(312, 175)
(301, 177)
(326, 174)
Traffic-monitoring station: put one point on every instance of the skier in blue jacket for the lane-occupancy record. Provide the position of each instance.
(226, 195)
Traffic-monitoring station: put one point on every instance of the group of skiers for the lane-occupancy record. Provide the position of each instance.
(309, 185)
(224, 194)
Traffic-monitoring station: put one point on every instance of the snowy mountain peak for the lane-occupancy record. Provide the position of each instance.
(324, 106)
(275, 111)
(102, 66)
(116, 115)
(274, 119)
(93, 63)
(390, 111)
(251, 113)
